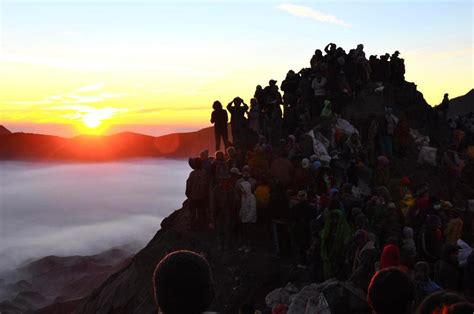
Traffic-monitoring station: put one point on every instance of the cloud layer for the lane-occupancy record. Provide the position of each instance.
(68, 209)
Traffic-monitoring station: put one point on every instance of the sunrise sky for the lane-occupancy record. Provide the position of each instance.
(156, 66)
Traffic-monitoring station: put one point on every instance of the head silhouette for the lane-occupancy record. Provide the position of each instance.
(183, 283)
(217, 105)
(439, 302)
(391, 291)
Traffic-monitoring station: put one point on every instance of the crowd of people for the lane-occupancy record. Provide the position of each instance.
(314, 95)
(323, 193)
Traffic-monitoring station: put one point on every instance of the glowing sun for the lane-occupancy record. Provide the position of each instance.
(94, 121)
(91, 121)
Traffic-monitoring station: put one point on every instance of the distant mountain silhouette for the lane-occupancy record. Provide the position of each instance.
(462, 105)
(54, 279)
(103, 148)
(4, 130)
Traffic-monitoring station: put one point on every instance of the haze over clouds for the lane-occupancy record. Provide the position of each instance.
(68, 209)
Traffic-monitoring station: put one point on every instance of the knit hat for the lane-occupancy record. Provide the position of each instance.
(390, 256)
(408, 233)
(235, 171)
(302, 196)
(405, 181)
(305, 163)
(316, 165)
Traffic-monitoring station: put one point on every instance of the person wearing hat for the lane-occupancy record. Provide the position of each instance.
(397, 68)
(237, 108)
(197, 192)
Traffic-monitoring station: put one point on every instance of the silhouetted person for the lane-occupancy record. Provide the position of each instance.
(272, 97)
(289, 87)
(259, 94)
(391, 291)
(330, 50)
(364, 259)
(183, 284)
(398, 68)
(219, 119)
(197, 191)
(237, 109)
(316, 59)
(444, 106)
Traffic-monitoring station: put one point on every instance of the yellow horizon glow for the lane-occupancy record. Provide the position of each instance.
(92, 100)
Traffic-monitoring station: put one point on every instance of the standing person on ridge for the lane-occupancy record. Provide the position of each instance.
(237, 108)
(219, 119)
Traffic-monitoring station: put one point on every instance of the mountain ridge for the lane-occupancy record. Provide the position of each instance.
(124, 145)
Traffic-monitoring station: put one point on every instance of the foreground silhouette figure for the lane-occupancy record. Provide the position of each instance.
(183, 283)
(391, 291)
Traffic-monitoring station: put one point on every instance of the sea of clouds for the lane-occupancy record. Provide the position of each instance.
(84, 208)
